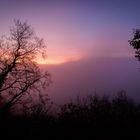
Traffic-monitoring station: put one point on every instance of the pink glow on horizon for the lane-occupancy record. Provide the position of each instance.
(58, 60)
(62, 48)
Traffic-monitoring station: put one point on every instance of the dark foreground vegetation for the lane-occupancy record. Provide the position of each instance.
(90, 118)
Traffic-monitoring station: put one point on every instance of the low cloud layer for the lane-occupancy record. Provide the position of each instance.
(103, 76)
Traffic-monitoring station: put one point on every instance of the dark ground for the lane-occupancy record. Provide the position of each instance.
(97, 118)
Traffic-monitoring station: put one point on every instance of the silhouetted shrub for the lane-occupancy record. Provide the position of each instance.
(93, 116)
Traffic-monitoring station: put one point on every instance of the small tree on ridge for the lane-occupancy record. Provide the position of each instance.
(135, 42)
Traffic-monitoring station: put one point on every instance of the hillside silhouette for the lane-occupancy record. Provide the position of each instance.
(90, 117)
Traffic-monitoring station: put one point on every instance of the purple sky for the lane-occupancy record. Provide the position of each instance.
(80, 33)
(74, 29)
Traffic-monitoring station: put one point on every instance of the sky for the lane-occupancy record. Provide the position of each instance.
(76, 29)
(87, 41)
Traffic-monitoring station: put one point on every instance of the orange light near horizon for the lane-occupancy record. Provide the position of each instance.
(57, 61)
(52, 62)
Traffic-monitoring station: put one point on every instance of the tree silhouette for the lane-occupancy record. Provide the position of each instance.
(135, 42)
(19, 71)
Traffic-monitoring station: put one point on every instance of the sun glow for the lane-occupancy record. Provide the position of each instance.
(57, 60)
(53, 62)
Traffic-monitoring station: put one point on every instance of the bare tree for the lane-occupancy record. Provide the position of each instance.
(135, 42)
(19, 71)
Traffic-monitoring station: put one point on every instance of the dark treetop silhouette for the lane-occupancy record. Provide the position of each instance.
(19, 72)
(135, 42)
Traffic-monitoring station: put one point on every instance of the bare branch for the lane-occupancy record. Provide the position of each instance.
(19, 72)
